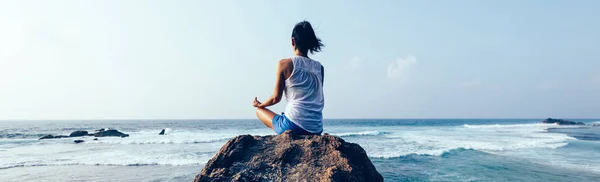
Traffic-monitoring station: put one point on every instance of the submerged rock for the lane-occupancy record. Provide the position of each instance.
(109, 133)
(53, 137)
(78, 141)
(561, 122)
(289, 157)
(78, 133)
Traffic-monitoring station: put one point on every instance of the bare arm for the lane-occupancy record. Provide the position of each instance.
(279, 86)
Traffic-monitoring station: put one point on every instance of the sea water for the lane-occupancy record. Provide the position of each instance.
(400, 149)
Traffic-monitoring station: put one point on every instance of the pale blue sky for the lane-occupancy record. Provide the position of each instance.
(383, 59)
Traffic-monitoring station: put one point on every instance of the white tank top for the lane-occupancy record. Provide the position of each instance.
(304, 94)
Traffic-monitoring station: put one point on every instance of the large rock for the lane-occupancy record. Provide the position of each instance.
(561, 122)
(110, 133)
(78, 133)
(289, 157)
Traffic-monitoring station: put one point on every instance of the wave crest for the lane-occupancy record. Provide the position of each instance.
(94, 164)
(363, 133)
(511, 125)
(153, 141)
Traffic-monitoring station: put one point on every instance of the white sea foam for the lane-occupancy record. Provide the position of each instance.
(362, 133)
(539, 125)
(137, 141)
(152, 137)
(438, 140)
(187, 147)
(179, 147)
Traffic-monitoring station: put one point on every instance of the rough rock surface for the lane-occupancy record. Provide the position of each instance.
(289, 157)
(78, 133)
(562, 122)
(111, 132)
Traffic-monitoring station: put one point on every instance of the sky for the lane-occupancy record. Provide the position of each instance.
(383, 59)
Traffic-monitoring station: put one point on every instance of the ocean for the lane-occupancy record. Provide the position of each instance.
(400, 149)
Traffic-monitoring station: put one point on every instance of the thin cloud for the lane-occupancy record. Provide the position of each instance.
(401, 68)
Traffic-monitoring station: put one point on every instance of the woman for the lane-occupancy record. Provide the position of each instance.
(301, 78)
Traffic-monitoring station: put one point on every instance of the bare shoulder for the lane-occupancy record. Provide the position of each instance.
(285, 64)
(285, 67)
(285, 61)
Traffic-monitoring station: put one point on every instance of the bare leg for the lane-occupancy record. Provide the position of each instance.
(266, 116)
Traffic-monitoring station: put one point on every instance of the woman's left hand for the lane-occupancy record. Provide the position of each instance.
(256, 103)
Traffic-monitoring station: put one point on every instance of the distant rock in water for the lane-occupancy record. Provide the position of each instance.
(78, 133)
(53, 137)
(289, 157)
(162, 132)
(110, 133)
(561, 122)
(101, 133)
(78, 141)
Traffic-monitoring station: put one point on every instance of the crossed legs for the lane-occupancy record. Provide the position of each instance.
(266, 116)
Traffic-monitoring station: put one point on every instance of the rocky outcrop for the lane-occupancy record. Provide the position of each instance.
(162, 132)
(78, 133)
(53, 137)
(99, 133)
(561, 122)
(110, 133)
(289, 157)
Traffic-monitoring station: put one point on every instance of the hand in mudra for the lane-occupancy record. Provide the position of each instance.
(256, 103)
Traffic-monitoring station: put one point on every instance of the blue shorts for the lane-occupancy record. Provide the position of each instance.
(282, 123)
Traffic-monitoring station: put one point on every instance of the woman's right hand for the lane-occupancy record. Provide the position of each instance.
(256, 103)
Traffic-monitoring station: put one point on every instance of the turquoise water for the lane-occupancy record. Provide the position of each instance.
(402, 150)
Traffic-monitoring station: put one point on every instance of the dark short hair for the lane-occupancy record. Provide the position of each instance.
(305, 38)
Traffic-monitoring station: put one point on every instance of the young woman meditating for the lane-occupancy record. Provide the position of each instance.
(300, 78)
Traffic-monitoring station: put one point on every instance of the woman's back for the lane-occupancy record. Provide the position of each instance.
(304, 93)
(300, 80)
